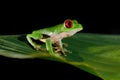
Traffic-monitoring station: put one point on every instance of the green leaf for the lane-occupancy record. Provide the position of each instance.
(97, 54)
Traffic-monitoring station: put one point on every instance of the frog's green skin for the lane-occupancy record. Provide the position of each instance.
(56, 34)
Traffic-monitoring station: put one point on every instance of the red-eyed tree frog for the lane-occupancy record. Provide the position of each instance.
(54, 36)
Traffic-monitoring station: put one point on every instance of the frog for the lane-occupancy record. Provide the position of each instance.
(54, 34)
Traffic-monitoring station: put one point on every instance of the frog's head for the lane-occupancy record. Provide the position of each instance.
(72, 26)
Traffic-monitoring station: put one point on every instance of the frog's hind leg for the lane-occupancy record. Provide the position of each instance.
(59, 47)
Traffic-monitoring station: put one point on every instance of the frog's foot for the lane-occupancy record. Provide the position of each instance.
(63, 51)
(65, 45)
(38, 47)
(68, 51)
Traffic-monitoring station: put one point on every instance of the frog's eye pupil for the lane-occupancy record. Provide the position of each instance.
(68, 23)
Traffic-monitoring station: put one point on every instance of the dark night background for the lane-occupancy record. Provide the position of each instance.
(22, 19)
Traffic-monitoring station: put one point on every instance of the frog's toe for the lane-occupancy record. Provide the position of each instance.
(65, 45)
(67, 51)
(38, 47)
(63, 52)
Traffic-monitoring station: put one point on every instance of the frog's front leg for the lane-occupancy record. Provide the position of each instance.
(49, 46)
(35, 36)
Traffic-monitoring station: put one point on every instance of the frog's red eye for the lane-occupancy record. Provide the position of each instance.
(68, 23)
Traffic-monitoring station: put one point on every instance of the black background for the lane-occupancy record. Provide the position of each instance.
(26, 22)
(19, 18)
(23, 18)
